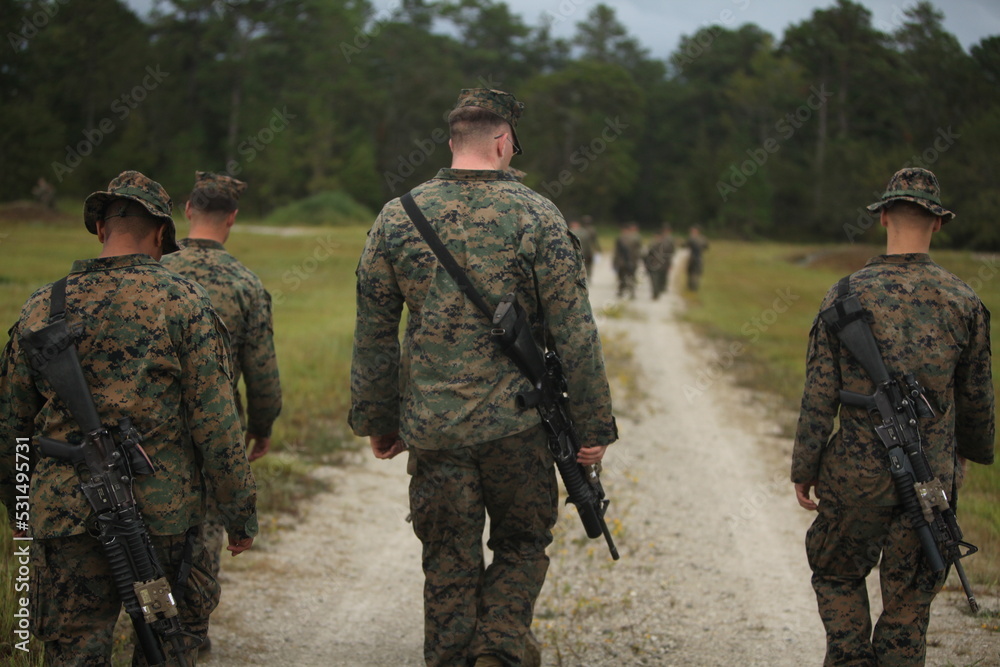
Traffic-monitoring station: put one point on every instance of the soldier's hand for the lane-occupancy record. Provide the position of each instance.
(239, 546)
(386, 446)
(590, 455)
(260, 447)
(802, 495)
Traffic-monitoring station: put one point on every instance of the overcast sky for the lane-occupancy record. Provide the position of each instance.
(659, 24)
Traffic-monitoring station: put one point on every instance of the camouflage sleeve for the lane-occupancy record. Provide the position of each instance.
(375, 361)
(19, 403)
(259, 366)
(562, 291)
(974, 401)
(820, 400)
(210, 410)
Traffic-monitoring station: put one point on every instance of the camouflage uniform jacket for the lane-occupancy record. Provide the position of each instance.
(628, 250)
(660, 254)
(450, 386)
(697, 246)
(927, 322)
(152, 349)
(244, 305)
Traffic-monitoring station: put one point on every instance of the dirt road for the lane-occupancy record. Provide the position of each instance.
(712, 568)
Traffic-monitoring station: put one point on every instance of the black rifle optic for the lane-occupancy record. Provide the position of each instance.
(105, 466)
(895, 408)
(549, 395)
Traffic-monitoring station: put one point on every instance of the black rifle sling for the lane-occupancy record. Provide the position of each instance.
(445, 257)
(844, 317)
(57, 301)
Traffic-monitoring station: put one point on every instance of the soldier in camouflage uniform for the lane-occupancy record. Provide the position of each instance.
(628, 252)
(587, 236)
(152, 349)
(658, 259)
(244, 305)
(928, 322)
(696, 244)
(449, 393)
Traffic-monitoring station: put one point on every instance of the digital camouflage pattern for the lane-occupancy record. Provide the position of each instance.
(217, 185)
(471, 611)
(501, 103)
(628, 252)
(240, 299)
(74, 602)
(659, 257)
(696, 245)
(133, 186)
(843, 545)
(928, 322)
(244, 305)
(450, 386)
(152, 349)
(915, 185)
(450, 392)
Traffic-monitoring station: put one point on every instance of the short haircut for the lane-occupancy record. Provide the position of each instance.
(474, 124)
(211, 200)
(124, 216)
(910, 210)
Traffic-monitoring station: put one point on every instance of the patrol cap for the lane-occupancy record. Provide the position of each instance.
(133, 186)
(210, 186)
(915, 185)
(498, 102)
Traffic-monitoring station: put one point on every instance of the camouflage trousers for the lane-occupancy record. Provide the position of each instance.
(658, 281)
(212, 537)
(471, 610)
(75, 604)
(843, 545)
(626, 283)
(694, 276)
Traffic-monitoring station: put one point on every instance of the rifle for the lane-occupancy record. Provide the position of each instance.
(106, 466)
(549, 396)
(895, 407)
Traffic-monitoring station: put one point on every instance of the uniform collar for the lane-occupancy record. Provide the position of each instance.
(204, 244)
(905, 258)
(449, 174)
(111, 263)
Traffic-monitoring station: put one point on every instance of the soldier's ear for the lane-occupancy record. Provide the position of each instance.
(102, 232)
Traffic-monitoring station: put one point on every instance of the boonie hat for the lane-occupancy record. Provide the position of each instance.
(915, 185)
(218, 185)
(133, 186)
(498, 102)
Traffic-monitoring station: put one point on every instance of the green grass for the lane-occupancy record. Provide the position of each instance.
(763, 297)
(10, 603)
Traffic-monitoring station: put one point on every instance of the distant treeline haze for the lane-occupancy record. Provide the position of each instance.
(748, 134)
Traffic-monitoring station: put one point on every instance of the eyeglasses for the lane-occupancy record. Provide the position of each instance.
(517, 150)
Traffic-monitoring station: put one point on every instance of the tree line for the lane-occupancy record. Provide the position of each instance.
(744, 133)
